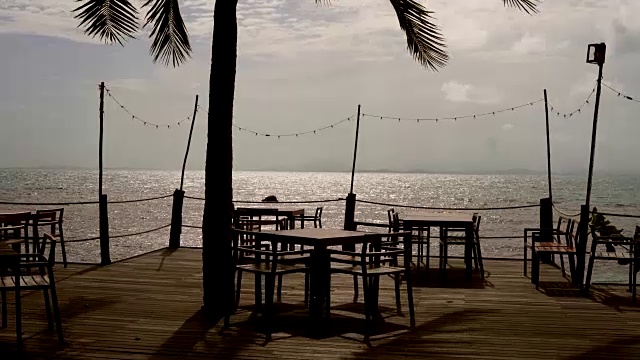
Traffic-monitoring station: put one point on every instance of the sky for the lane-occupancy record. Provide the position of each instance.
(303, 67)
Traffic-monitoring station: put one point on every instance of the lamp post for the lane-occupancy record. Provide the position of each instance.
(595, 55)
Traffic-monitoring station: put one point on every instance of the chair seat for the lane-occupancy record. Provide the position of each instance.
(357, 270)
(27, 282)
(294, 259)
(554, 248)
(265, 268)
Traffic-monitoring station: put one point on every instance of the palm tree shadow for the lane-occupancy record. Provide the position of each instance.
(165, 253)
(620, 348)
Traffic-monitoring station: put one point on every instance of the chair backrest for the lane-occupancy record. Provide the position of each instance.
(51, 217)
(390, 213)
(16, 219)
(319, 212)
(396, 222)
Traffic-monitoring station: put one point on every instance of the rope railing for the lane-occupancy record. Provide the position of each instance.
(118, 236)
(448, 208)
(563, 213)
(616, 215)
(82, 202)
(278, 202)
(192, 226)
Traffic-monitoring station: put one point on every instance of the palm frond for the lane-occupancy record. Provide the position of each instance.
(528, 6)
(111, 20)
(424, 39)
(171, 39)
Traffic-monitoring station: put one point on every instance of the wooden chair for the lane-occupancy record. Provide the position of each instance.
(53, 219)
(21, 221)
(316, 219)
(460, 239)
(34, 272)
(268, 261)
(372, 261)
(562, 230)
(625, 251)
(555, 247)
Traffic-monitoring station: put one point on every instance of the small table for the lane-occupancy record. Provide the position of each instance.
(320, 239)
(442, 220)
(285, 212)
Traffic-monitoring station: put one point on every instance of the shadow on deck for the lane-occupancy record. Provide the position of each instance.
(149, 308)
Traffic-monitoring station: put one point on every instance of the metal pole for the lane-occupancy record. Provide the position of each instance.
(100, 140)
(186, 154)
(593, 135)
(355, 150)
(546, 114)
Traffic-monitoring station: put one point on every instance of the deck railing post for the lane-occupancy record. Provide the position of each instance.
(176, 219)
(349, 217)
(546, 224)
(581, 245)
(105, 257)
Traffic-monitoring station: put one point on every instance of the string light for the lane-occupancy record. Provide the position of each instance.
(297, 134)
(578, 110)
(622, 95)
(454, 118)
(137, 118)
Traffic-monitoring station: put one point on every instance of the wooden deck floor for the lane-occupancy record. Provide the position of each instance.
(149, 308)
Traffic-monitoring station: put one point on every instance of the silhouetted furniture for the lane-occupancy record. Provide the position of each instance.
(281, 217)
(561, 231)
(53, 219)
(442, 220)
(626, 252)
(459, 239)
(555, 247)
(31, 271)
(316, 219)
(374, 259)
(21, 221)
(266, 260)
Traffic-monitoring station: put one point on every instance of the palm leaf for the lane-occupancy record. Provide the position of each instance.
(171, 39)
(111, 20)
(528, 6)
(424, 39)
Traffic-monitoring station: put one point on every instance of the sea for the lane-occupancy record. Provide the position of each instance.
(615, 194)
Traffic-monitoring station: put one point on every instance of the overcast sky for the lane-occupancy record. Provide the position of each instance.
(302, 67)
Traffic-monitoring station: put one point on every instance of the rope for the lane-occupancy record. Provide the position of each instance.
(279, 202)
(447, 208)
(563, 213)
(192, 226)
(119, 236)
(140, 232)
(81, 202)
(49, 203)
(618, 215)
(140, 200)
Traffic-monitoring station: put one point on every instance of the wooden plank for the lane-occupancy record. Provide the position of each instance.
(149, 308)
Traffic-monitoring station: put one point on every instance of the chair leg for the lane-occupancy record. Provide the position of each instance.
(18, 311)
(355, 288)
(62, 248)
(56, 310)
(306, 290)
(4, 309)
(525, 257)
(328, 300)
(634, 279)
(238, 287)
(258, 292)
(270, 284)
(475, 256)
(479, 259)
(397, 288)
(366, 290)
(564, 273)
(587, 282)
(279, 294)
(47, 307)
(535, 269)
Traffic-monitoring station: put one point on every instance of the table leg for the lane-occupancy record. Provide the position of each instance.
(407, 276)
(320, 273)
(468, 252)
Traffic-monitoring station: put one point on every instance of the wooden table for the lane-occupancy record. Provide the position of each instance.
(284, 211)
(320, 239)
(445, 220)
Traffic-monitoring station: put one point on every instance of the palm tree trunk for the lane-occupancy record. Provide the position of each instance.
(217, 268)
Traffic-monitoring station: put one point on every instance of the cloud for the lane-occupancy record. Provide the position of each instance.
(507, 127)
(460, 92)
(529, 44)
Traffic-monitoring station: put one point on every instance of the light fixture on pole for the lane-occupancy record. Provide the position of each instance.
(595, 55)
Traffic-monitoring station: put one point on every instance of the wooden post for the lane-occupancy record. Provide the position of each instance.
(176, 219)
(546, 114)
(186, 154)
(355, 151)
(349, 218)
(105, 257)
(546, 224)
